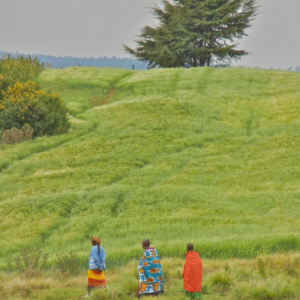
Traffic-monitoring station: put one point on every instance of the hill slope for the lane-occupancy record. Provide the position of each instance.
(209, 156)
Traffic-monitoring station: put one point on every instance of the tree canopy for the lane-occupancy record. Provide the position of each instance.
(194, 33)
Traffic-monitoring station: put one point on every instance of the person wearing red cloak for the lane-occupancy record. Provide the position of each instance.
(192, 274)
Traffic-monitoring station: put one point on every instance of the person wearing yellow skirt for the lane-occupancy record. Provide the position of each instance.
(96, 276)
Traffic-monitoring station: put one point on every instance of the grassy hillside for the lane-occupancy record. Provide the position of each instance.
(209, 156)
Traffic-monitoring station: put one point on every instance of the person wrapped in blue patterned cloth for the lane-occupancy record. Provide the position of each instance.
(150, 273)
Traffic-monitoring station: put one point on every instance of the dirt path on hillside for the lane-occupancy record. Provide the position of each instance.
(110, 95)
(97, 102)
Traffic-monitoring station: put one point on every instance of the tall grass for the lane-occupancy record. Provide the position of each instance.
(222, 279)
(207, 156)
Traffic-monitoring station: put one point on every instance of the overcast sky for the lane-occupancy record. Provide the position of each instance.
(98, 28)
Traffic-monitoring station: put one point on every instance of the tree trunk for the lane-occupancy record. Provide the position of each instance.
(202, 61)
(208, 60)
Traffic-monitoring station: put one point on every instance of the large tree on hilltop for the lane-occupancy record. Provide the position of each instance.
(194, 33)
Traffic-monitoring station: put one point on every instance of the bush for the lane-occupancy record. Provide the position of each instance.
(15, 135)
(26, 105)
(30, 261)
(220, 282)
(23, 104)
(68, 264)
(19, 69)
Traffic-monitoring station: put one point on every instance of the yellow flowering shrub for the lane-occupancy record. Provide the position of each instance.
(21, 95)
(23, 104)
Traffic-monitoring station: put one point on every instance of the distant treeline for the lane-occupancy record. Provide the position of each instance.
(68, 61)
(113, 62)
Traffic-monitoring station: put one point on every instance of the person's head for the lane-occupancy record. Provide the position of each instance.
(146, 243)
(95, 240)
(190, 247)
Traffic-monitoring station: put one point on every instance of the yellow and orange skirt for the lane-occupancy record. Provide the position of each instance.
(96, 279)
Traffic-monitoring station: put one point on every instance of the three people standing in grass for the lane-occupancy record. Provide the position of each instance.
(149, 268)
(96, 277)
(192, 273)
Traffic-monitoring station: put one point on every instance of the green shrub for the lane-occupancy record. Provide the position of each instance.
(30, 261)
(68, 264)
(242, 275)
(27, 105)
(220, 282)
(22, 103)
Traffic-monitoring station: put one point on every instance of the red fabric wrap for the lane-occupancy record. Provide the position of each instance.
(96, 283)
(192, 272)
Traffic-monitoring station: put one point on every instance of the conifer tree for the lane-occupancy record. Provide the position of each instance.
(194, 33)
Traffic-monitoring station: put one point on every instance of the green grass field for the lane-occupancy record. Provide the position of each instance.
(208, 156)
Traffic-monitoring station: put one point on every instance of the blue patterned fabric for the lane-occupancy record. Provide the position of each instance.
(150, 274)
